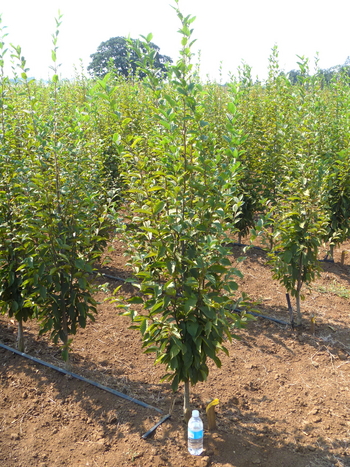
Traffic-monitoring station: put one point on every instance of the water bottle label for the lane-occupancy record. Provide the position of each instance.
(195, 434)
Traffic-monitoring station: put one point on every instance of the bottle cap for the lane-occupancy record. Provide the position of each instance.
(195, 413)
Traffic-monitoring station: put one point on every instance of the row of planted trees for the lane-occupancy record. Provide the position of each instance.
(297, 155)
(228, 160)
(193, 165)
(55, 202)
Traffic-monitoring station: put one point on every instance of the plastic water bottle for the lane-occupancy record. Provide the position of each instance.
(195, 434)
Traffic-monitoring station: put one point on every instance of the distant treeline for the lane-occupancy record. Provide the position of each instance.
(327, 74)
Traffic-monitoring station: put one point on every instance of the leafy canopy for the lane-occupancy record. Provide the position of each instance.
(118, 54)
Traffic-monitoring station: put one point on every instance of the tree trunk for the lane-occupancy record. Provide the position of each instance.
(65, 330)
(20, 337)
(299, 286)
(65, 341)
(187, 411)
(299, 320)
(271, 237)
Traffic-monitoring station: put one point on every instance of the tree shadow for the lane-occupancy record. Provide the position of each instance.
(101, 408)
(334, 338)
(245, 439)
(260, 254)
(342, 271)
(334, 334)
(114, 277)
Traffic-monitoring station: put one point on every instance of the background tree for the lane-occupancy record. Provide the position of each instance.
(327, 74)
(119, 54)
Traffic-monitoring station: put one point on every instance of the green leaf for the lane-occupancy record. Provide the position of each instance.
(175, 383)
(135, 299)
(42, 291)
(170, 288)
(217, 269)
(287, 256)
(143, 326)
(209, 312)
(225, 262)
(232, 285)
(116, 138)
(151, 349)
(156, 188)
(192, 328)
(150, 229)
(82, 283)
(190, 303)
(174, 350)
(157, 306)
(231, 107)
(158, 207)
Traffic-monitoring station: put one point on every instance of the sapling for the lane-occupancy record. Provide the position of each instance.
(337, 199)
(62, 208)
(13, 203)
(182, 205)
(73, 212)
(299, 224)
(13, 293)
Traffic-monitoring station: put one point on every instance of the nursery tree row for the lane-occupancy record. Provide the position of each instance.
(187, 166)
(56, 197)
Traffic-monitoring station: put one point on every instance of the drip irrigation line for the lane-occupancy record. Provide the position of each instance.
(253, 313)
(275, 320)
(81, 378)
(116, 278)
(243, 244)
(149, 432)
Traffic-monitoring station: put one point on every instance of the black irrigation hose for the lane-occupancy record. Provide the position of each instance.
(253, 313)
(162, 420)
(275, 320)
(116, 278)
(81, 378)
(242, 244)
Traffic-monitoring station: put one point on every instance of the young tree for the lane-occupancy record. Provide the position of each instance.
(337, 199)
(15, 247)
(299, 224)
(181, 201)
(13, 205)
(54, 212)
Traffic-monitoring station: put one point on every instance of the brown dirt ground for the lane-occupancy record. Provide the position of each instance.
(284, 394)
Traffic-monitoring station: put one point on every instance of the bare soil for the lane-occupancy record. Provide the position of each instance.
(284, 394)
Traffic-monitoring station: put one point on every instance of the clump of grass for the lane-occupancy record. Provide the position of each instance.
(334, 288)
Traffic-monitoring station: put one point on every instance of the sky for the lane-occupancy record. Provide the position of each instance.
(227, 32)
